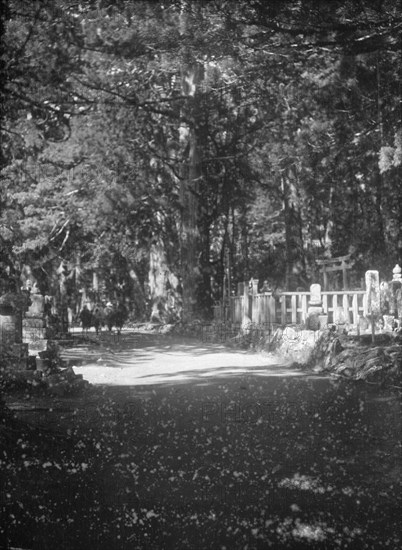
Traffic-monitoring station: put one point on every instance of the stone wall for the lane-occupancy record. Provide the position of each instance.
(291, 343)
(358, 358)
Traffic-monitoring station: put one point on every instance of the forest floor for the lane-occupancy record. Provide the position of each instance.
(180, 444)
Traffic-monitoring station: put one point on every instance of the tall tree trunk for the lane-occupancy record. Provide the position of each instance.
(157, 281)
(295, 261)
(244, 230)
(192, 77)
(205, 299)
(139, 298)
(163, 286)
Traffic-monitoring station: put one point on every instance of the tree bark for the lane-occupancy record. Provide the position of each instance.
(295, 261)
(192, 77)
(163, 286)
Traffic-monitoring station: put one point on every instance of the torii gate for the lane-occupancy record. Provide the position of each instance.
(341, 263)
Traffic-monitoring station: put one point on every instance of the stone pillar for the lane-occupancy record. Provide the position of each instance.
(397, 273)
(373, 298)
(14, 353)
(398, 299)
(314, 309)
(325, 277)
(246, 300)
(373, 293)
(34, 325)
(344, 275)
(7, 330)
(396, 293)
(315, 298)
(254, 286)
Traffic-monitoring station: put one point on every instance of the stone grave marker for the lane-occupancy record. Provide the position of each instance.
(373, 298)
(314, 308)
(315, 295)
(34, 325)
(396, 293)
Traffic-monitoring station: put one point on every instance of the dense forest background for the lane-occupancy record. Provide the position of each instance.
(164, 151)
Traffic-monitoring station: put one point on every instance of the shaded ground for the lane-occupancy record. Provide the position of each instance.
(193, 446)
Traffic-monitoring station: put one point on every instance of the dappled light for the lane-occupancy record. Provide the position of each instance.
(305, 483)
(200, 275)
(195, 443)
(175, 361)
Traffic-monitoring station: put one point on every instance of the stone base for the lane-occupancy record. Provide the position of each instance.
(7, 340)
(36, 346)
(6, 348)
(339, 316)
(20, 363)
(388, 322)
(32, 334)
(357, 358)
(20, 350)
(292, 343)
(65, 382)
(313, 321)
(323, 321)
(23, 378)
(314, 309)
(33, 323)
(15, 356)
(10, 363)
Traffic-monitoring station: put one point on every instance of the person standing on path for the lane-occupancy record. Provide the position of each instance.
(97, 315)
(86, 319)
(120, 316)
(109, 315)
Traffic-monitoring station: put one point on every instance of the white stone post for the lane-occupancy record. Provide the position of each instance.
(314, 307)
(373, 298)
(246, 300)
(396, 285)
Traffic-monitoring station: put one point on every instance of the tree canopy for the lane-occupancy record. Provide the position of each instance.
(171, 146)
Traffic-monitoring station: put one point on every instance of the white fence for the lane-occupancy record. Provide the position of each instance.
(287, 308)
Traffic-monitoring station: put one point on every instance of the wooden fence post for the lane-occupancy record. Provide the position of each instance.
(254, 283)
(355, 310)
(272, 311)
(303, 308)
(294, 309)
(345, 305)
(283, 309)
(246, 305)
(254, 308)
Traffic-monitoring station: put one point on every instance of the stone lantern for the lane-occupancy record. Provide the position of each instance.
(315, 319)
(396, 273)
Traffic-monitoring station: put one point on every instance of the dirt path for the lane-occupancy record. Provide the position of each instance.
(142, 359)
(183, 445)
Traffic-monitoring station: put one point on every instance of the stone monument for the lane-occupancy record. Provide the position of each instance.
(395, 287)
(373, 297)
(34, 325)
(13, 352)
(314, 310)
